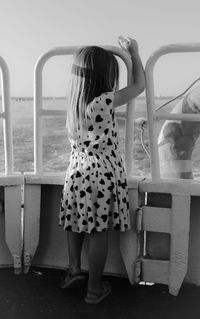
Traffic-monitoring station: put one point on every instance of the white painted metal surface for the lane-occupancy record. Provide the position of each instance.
(34, 182)
(42, 197)
(130, 241)
(6, 116)
(176, 222)
(10, 184)
(45, 244)
(184, 258)
(153, 116)
(39, 112)
(13, 223)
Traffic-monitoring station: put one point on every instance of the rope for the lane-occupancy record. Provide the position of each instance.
(178, 96)
(142, 142)
(160, 107)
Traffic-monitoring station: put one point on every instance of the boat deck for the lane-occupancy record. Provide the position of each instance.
(38, 295)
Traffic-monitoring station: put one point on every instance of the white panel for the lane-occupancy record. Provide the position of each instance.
(45, 178)
(13, 229)
(175, 221)
(11, 180)
(5, 255)
(170, 186)
(156, 219)
(156, 271)
(129, 241)
(32, 195)
(193, 273)
(46, 243)
(52, 250)
(179, 241)
(128, 248)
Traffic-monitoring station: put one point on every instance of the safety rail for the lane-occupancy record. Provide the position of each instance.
(156, 206)
(6, 116)
(10, 187)
(154, 116)
(39, 112)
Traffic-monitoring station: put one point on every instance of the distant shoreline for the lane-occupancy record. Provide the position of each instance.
(29, 98)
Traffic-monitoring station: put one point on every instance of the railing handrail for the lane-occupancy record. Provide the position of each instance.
(6, 116)
(39, 112)
(150, 98)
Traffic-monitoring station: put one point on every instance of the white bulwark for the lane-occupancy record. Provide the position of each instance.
(163, 244)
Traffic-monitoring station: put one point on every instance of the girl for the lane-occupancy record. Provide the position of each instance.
(95, 194)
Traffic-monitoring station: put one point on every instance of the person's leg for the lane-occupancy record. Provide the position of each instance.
(98, 247)
(73, 277)
(75, 242)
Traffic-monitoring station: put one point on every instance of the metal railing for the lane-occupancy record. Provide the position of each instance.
(6, 116)
(152, 115)
(40, 112)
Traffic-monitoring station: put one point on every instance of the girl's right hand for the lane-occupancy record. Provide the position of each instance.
(128, 44)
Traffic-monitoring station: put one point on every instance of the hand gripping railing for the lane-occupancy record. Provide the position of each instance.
(39, 112)
(5, 115)
(153, 116)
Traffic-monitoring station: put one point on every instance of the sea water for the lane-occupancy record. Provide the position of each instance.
(56, 148)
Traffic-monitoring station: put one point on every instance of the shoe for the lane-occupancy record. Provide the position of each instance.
(72, 280)
(94, 298)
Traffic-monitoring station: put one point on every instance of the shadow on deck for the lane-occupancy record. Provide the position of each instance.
(38, 296)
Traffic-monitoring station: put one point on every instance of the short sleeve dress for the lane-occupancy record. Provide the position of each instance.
(95, 193)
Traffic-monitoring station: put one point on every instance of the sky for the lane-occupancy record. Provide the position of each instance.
(28, 28)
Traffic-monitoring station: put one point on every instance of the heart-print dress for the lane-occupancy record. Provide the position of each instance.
(95, 193)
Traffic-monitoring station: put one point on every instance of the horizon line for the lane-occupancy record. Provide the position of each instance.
(64, 97)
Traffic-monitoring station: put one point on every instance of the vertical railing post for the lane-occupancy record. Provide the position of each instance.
(129, 137)
(7, 127)
(155, 166)
(38, 149)
(11, 223)
(129, 132)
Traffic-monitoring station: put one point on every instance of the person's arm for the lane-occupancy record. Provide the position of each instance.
(137, 84)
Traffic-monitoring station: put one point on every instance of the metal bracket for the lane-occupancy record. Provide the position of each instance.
(27, 262)
(139, 219)
(138, 270)
(17, 264)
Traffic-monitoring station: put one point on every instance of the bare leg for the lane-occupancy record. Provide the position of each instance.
(73, 277)
(75, 242)
(98, 247)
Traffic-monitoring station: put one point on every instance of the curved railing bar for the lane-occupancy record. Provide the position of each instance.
(6, 116)
(168, 49)
(39, 112)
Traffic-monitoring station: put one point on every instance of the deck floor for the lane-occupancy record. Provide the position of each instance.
(37, 295)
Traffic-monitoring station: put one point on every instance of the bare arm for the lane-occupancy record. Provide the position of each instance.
(137, 84)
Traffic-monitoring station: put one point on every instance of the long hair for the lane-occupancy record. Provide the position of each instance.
(94, 71)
